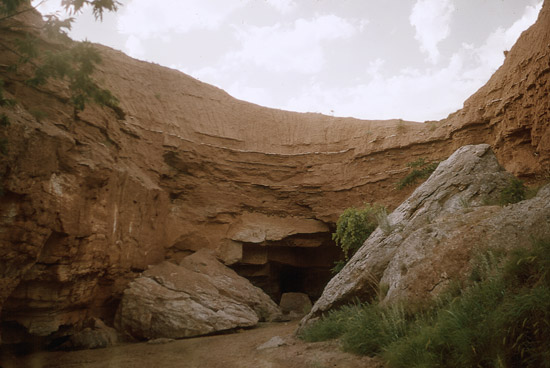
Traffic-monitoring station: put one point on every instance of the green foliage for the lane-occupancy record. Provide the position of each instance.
(8, 7)
(3, 100)
(338, 265)
(352, 229)
(374, 327)
(363, 328)
(331, 326)
(514, 192)
(98, 6)
(75, 65)
(419, 169)
(500, 318)
(57, 28)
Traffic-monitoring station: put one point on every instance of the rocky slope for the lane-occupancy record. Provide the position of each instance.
(430, 238)
(89, 204)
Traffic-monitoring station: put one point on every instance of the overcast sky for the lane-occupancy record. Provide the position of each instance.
(372, 59)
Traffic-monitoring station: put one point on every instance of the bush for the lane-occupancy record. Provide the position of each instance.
(352, 229)
(514, 192)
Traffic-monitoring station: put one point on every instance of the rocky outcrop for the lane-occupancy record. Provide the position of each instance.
(198, 297)
(90, 204)
(428, 240)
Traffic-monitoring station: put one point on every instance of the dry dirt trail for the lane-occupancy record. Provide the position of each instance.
(236, 350)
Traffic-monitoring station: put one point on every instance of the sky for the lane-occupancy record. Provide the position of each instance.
(415, 60)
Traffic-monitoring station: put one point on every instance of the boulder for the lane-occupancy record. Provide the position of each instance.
(295, 304)
(429, 239)
(97, 335)
(197, 297)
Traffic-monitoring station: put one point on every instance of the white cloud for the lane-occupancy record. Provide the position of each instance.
(298, 48)
(255, 95)
(490, 55)
(134, 47)
(410, 93)
(374, 67)
(147, 19)
(283, 6)
(431, 19)
(407, 95)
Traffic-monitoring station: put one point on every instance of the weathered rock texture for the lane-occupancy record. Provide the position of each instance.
(198, 297)
(89, 204)
(429, 238)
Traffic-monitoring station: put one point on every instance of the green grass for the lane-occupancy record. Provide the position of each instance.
(499, 317)
(331, 326)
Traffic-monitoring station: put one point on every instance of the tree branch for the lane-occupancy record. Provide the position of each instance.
(22, 11)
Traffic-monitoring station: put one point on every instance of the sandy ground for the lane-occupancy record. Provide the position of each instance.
(237, 350)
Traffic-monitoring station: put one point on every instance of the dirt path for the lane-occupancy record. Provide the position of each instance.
(238, 350)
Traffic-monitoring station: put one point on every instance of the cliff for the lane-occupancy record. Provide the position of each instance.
(90, 204)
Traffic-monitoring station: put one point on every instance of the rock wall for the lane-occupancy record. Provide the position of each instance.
(89, 204)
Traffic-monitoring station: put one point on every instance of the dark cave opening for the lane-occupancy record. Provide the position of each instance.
(291, 279)
(279, 267)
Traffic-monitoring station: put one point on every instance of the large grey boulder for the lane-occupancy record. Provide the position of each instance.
(197, 297)
(429, 239)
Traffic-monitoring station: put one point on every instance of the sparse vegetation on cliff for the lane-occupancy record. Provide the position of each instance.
(500, 317)
(418, 169)
(514, 192)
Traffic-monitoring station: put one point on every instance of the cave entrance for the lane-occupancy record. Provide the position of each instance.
(283, 267)
(291, 279)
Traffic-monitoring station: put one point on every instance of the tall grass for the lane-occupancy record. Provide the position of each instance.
(500, 317)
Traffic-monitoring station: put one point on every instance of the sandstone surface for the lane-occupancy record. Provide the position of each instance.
(198, 297)
(429, 239)
(89, 204)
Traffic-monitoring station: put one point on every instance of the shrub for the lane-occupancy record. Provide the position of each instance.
(352, 229)
(514, 192)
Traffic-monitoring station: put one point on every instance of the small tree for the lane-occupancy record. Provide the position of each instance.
(75, 64)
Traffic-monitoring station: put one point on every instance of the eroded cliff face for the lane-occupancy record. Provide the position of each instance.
(89, 204)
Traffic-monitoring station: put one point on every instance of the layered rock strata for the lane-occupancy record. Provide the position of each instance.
(89, 204)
